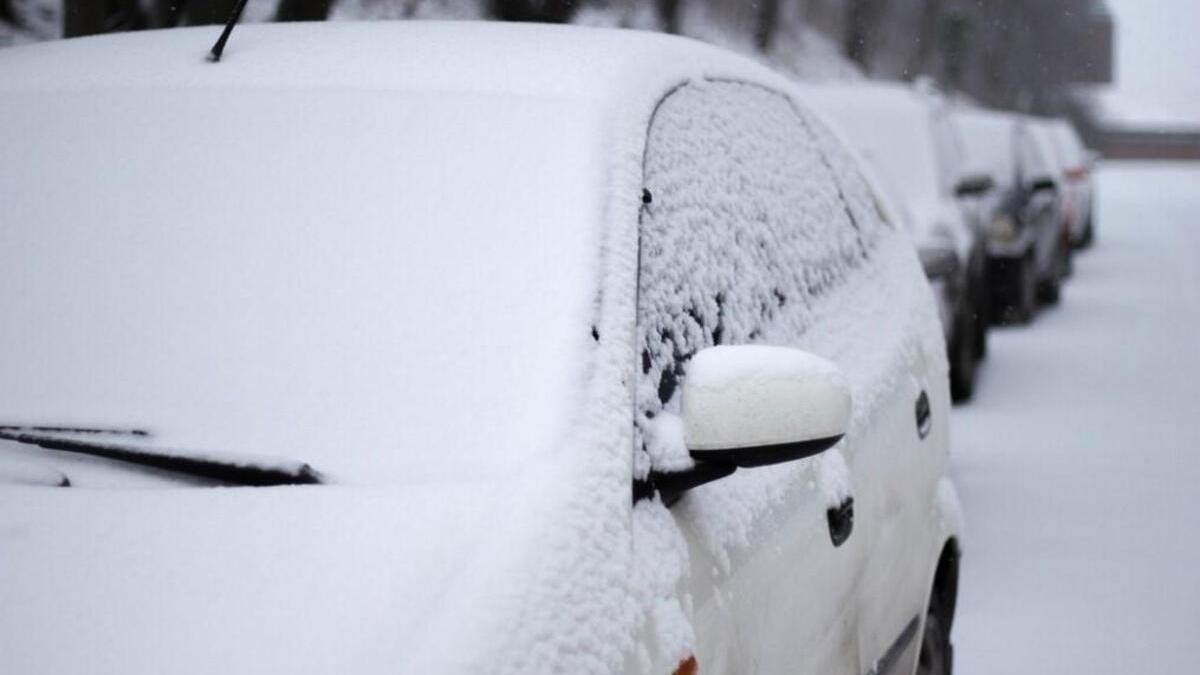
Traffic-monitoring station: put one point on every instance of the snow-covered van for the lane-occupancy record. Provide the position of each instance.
(464, 348)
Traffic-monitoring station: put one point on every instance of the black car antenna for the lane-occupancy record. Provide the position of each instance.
(219, 47)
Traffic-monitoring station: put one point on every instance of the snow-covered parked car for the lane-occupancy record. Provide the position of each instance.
(1022, 212)
(1077, 162)
(1042, 134)
(907, 137)
(517, 349)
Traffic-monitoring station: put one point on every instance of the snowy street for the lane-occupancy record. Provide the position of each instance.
(1078, 462)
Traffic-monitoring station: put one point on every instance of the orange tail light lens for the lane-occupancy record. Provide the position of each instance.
(688, 666)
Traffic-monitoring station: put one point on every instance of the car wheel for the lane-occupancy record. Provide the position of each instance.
(982, 317)
(962, 358)
(1024, 285)
(1050, 291)
(937, 654)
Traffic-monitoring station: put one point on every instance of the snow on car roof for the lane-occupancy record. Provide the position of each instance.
(1068, 143)
(990, 140)
(528, 59)
(1042, 131)
(891, 126)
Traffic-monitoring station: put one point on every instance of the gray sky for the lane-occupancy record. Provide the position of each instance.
(1158, 62)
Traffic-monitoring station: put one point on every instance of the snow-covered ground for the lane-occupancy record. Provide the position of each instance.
(1078, 462)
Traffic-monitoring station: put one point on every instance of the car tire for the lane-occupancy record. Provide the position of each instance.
(1050, 291)
(982, 316)
(962, 357)
(1025, 291)
(936, 656)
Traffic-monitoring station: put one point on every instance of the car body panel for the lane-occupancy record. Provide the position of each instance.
(1076, 162)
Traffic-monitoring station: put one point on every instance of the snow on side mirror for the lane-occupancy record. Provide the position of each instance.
(754, 405)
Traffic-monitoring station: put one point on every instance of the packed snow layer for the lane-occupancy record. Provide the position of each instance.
(544, 567)
(323, 306)
(1077, 460)
(282, 580)
(900, 133)
(990, 141)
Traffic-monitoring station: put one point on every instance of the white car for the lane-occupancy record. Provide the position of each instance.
(517, 349)
(1043, 136)
(1076, 161)
(907, 138)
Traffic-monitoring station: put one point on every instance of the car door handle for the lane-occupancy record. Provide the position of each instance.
(841, 521)
(924, 415)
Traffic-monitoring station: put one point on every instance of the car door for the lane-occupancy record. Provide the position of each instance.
(900, 448)
(747, 236)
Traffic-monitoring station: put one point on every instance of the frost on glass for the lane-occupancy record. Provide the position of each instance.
(753, 211)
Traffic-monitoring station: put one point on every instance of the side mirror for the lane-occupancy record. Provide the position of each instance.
(974, 185)
(1043, 184)
(753, 405)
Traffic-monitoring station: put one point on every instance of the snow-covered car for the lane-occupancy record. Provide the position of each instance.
(1042, 135)
(1022, 212)
(1076, 162)
(908, 139)
(518, 349)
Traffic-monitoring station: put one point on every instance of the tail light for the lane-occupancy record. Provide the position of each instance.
(688, 666)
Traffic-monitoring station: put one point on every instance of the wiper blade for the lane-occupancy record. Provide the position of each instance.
(99, 431)
(222, 468)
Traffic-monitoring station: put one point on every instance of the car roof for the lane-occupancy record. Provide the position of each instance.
(1042, 129)
(989, 139)
(892, 126)
(1067, 139)
(527, 59)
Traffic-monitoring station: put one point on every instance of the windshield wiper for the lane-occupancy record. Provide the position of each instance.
(222, 468)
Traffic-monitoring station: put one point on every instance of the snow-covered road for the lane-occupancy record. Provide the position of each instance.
(1078, 463)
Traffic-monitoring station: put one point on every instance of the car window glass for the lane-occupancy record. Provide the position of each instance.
(744, 228)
